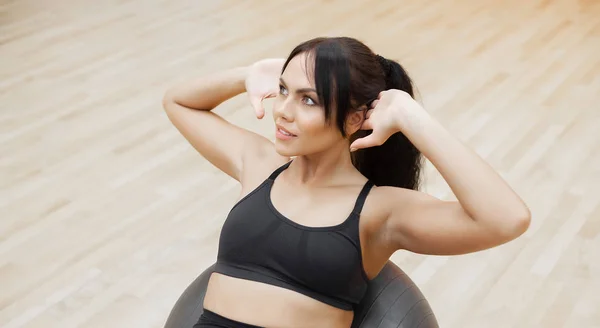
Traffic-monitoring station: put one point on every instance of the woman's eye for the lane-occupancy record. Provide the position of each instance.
(282, 90)
(309, 101)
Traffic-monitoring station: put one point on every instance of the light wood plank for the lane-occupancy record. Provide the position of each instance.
(107, 213)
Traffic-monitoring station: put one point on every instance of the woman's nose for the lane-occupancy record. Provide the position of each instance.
(284, 109)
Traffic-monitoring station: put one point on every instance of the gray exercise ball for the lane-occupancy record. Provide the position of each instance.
(392, 301)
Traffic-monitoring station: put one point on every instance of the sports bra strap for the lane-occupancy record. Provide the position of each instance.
(279, 170)
(360, 201)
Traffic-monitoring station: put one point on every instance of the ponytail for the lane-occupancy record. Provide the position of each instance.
(397, 162)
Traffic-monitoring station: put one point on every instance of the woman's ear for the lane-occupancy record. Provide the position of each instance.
(354, 121)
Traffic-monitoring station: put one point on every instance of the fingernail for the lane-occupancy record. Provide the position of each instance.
(352, 149)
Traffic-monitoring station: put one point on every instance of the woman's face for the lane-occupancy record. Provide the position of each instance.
(299, 118)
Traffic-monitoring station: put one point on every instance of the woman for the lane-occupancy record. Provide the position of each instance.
(324, 207)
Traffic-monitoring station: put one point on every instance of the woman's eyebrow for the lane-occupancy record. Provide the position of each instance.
(302, 90)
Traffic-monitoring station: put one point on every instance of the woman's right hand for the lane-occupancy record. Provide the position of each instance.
(262, 82)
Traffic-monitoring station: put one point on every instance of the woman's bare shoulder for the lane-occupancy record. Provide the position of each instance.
(377, 206)
(260, 164)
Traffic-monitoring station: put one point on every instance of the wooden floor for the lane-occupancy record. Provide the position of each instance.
(107, 213)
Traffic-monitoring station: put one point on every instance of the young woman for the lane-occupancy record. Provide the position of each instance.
(324, 207)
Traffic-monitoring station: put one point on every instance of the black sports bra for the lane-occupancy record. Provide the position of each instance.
(325, 263)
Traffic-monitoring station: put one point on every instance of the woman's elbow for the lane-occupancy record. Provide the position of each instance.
(517, 224)
(167, 99)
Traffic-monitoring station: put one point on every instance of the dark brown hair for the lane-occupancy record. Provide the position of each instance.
(348, 75)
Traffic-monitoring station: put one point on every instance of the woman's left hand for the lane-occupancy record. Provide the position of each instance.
(389, 113)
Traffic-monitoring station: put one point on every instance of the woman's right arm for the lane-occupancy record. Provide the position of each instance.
(189, 108)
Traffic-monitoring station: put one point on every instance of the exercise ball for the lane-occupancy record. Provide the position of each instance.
(392, 301)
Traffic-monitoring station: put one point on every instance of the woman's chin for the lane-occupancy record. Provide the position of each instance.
(284, 150)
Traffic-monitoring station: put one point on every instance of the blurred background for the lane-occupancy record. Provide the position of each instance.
(107, 213)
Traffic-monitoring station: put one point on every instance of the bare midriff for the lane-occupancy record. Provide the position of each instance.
(264, 305)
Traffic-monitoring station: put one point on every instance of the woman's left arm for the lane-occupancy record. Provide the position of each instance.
(488, 211)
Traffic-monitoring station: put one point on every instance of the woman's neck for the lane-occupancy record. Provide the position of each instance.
(328, 168)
